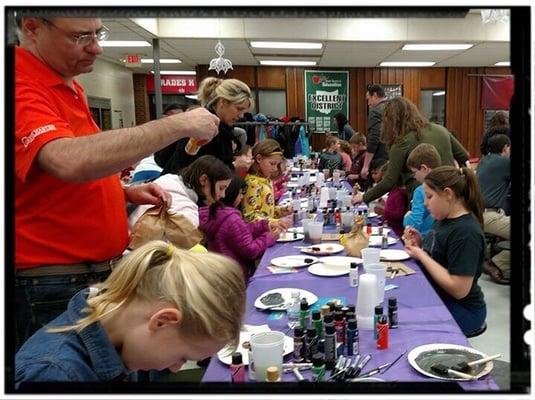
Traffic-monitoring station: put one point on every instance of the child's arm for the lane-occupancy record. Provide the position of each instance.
(258, 227)
(457, 286)
(240, 239)
(415, 216)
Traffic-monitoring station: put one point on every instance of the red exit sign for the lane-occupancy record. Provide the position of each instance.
(133, 60)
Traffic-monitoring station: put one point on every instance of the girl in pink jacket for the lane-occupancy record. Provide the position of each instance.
(227, 233)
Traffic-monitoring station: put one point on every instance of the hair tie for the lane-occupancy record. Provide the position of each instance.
(276, 153)
(170, 250)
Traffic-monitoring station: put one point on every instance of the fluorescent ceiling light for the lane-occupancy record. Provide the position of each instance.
(162, 61)
(286, 45)
(503, 64)
(407, 63)
(441, 93)
(192, 96)
(429, 47)
(124, 43)
(176, 72)
(288, 62)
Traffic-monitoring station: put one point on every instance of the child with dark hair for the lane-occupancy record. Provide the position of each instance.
(453, 252)
(227, 233)
(357, 144)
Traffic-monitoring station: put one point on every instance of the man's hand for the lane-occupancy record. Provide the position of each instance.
(198, 123)
(357, 198)
(243, 161)
(148, 193)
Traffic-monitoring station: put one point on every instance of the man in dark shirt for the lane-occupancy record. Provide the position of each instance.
(494, 176)
(375, 96)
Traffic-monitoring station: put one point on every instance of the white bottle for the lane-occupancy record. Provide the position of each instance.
(294, 309)
(353, 275)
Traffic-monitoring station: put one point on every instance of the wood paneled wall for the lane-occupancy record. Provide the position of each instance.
(463, 93)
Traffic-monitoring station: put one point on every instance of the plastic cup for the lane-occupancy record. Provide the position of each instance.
(304, 223)
(268, 349)
(332, 193)
(315, 230)
(296, 204)
(346, 201)
(366, 300)
(370, 255)
(347, 221)
(379, 270)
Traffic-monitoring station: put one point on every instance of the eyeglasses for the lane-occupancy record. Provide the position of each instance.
(83, 39)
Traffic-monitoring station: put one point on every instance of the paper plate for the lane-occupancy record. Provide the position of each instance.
(289, 237)
(293, 261)
(423, 357)
(297, 229)
(286, 294)
(376, 240)
(225, 354)
(323, 249)
(394, 255)
(333, 266)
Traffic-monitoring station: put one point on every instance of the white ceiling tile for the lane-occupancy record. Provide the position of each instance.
(367, 29)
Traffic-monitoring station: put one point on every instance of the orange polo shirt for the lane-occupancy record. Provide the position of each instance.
(58, 222)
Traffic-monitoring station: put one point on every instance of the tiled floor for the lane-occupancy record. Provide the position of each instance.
(496, 337)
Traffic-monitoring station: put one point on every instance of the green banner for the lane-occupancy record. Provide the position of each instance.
(326, 94)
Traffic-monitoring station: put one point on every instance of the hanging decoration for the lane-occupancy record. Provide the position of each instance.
(495, 15)
(220, 64)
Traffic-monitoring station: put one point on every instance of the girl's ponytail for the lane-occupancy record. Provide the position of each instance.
(472, 195)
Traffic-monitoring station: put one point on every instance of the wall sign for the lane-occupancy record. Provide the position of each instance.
(174, 84)
(326, 94)
(392, 91)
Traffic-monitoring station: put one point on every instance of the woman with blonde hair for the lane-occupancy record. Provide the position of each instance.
(404, 128)
(158, 308)
(259, 201)
(228, 99)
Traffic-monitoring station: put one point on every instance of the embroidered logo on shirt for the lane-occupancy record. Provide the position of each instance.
(26, 140)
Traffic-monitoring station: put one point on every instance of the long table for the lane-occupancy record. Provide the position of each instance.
(423, 317)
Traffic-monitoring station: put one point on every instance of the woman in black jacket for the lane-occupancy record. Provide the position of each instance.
(229, 99)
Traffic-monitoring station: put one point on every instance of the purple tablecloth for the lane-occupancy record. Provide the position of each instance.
(423, 317)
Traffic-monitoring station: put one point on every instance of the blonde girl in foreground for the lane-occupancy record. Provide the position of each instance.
(159, 307)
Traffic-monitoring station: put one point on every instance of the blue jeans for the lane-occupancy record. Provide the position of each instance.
(469, 320)
(40, 299)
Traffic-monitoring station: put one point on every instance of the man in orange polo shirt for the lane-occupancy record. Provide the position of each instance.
(70, 220)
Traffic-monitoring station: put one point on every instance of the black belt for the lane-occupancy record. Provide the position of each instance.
(69, 269)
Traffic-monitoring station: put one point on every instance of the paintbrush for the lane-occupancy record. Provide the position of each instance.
(442, 370)
(467, 366)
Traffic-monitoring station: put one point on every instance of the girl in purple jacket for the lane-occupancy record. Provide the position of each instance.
(227, 233)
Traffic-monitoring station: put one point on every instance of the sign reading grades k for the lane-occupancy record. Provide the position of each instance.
(326, 94)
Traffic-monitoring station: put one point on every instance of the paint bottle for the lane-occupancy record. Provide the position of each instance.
(311, 343)
(325, 309)
(318, 368)
(193, 146)
(329, 347)
(345, 310)
(365, 213)
(392, 313)
(352, 337)
(369, 228)
(304, 315)
(331, 305)
(337, 219)
(293, 311)
(328, 320)
(353, 275)
(380, 229)
(250, 368)
(317, 324)
(339, 326)
(349, 315)
(377, 314)
(382, 333)
(299, 344)
(295, 217)
(384, 242)
(273, 374)
(351, 307)
(338, 307)
(237, 370)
